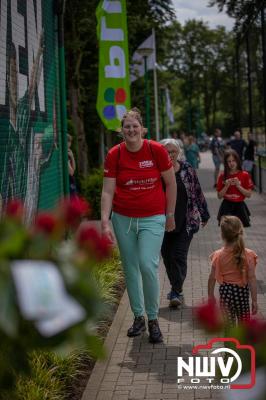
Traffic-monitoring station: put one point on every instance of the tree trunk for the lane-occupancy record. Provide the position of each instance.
(214, 108)
(207, 110)
(82, 162)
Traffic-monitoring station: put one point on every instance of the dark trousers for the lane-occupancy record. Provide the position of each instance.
(174, 252)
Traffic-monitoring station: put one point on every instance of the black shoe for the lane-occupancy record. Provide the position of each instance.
(155, 332)
(137, 328)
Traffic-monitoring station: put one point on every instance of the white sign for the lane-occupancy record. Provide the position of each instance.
(42, 296)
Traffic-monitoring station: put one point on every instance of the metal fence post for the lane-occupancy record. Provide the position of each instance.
(260, 175)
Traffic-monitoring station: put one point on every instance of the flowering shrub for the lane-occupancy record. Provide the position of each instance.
(209, 316)
(250, 332)
(74, 249)
(89, 240)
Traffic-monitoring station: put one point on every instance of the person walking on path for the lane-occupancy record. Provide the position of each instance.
(142, 211)
(192, 152)
(71, 167)
(180, 141)
(249, 156)
(238, 144)
(233, 267)
(190, 211)
(217, 147)
(233, 186)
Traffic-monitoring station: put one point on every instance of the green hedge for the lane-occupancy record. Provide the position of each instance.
(91, 188)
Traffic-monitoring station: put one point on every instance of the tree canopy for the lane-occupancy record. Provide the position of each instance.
(244, 11)
(82, 64)
(197, 64)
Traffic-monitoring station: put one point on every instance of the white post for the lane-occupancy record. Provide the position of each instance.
(157, 126)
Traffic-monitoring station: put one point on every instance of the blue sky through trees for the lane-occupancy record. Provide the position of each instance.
(198, 9)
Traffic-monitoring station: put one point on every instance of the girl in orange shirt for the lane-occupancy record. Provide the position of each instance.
(233, 266)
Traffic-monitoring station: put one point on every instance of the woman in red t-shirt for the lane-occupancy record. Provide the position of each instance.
(233, 186)
(141, 212)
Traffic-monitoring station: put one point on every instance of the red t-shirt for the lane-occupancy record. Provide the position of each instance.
(232, 193)
(138, 191)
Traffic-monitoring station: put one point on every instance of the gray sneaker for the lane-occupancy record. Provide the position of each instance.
(176, 299)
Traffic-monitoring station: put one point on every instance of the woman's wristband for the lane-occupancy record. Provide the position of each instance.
(169, 215)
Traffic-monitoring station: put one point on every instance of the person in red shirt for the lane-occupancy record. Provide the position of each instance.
(233, 186)
(141, 212)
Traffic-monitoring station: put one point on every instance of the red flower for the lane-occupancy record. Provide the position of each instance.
(103, 248)
(86, 233)
(89, 239)
(46, 223)
(255, 330)
(74, 209)
(209, 315)
(14, 209)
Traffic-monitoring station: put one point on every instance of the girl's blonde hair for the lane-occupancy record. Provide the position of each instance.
(232, 233)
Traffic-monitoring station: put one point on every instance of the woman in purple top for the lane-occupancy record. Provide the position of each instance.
(191, 210)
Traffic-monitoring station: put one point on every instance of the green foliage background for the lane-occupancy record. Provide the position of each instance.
(197, 64)
(91, 187)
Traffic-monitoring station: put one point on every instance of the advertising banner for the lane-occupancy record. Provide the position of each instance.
(114, 80)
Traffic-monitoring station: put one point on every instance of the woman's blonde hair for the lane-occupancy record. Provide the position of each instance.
(134, 113)
(232, 233)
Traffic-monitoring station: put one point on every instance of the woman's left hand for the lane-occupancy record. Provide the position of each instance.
(170, 224)
(236, 182)
(204, 223)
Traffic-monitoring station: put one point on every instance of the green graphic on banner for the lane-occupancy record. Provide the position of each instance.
(31, 144)
(114, 80)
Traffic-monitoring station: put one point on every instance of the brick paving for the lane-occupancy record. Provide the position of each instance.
(136, 369)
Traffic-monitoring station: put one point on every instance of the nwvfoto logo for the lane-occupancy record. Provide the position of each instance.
(200, 367)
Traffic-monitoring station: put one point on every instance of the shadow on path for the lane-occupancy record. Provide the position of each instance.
(159, 361)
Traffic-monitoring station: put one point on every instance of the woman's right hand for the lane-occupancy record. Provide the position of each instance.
(228, 182)
(107, 232)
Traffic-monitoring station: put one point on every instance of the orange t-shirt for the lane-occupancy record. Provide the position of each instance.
(226, 270)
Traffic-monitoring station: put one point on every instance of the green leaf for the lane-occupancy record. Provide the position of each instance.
(8, 310)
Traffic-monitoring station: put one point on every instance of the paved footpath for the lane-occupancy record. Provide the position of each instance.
(136, 369)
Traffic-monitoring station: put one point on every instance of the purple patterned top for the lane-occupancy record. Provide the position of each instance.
(197, 209)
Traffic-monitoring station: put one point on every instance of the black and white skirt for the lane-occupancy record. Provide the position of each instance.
(234, 302)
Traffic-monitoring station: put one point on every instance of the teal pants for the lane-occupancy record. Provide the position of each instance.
(139, 241)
